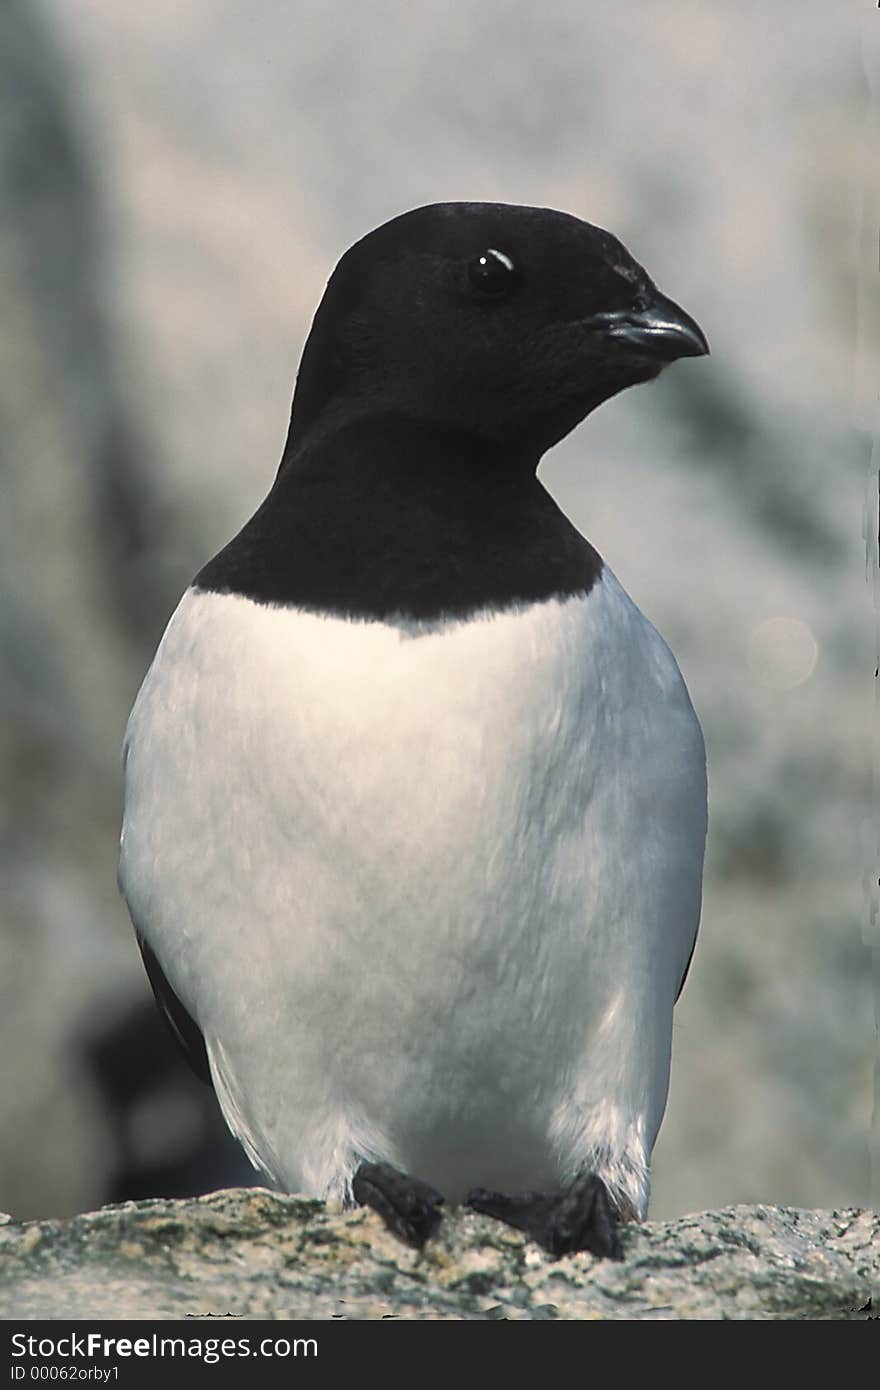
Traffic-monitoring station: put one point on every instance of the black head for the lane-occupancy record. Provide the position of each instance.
(508, 323)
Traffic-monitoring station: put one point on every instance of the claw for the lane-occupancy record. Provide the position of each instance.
(409, 1207)
(581, 1217)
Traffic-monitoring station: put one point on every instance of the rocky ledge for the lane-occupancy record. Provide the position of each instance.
(250, 1253)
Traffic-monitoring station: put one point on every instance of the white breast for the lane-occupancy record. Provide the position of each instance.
(429, 893)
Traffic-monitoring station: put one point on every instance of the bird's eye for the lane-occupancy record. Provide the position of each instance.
(492, 273)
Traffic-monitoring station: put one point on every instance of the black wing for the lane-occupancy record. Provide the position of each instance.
(185, 1030)
(680, 988)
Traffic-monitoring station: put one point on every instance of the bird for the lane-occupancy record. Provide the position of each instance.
(415, 798)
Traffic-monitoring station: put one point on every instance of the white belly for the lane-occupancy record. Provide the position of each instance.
(429, 894)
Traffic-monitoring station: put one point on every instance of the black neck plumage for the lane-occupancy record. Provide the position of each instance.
(390, 519)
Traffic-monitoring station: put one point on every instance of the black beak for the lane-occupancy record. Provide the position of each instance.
(663, 330)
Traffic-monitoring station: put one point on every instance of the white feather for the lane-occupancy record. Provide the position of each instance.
(429, 892)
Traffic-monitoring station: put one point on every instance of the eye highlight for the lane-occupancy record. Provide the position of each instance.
(492, 273)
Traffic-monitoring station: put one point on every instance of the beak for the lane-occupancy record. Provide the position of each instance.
(662, 330)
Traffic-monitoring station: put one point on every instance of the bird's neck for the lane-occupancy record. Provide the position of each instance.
(403, 447)
(386, 518)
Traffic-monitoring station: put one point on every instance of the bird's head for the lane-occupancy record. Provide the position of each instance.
(510, 323)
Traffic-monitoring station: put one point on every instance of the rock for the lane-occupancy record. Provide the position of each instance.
(250, 1253)
(84, 547)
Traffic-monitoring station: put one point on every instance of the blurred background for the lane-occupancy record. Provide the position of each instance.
(177, 182)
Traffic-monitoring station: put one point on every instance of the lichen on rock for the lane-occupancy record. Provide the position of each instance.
(250, 1253)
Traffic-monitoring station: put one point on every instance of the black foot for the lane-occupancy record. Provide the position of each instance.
(580, 1218)
(408, 1206)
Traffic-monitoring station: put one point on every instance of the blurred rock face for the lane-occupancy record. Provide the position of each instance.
(63, 641)
(176, 189)
(76, 606)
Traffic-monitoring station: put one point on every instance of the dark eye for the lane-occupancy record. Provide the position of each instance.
(492, 273)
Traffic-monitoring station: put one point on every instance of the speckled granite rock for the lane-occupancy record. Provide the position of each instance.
(255, 1254)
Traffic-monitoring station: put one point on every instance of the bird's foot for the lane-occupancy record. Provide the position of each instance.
(408, 1206)
(581, 1217)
